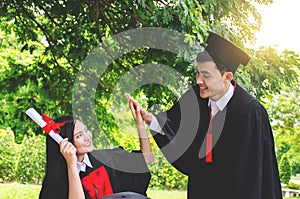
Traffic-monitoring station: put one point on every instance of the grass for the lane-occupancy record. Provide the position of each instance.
(160, 194)
(21, 191)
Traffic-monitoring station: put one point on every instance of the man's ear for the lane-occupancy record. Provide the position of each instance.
(228, 76)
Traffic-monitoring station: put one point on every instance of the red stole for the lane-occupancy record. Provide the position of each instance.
(97, 183)
(209, 135)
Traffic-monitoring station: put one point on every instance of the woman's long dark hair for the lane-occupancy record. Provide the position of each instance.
(55, 184)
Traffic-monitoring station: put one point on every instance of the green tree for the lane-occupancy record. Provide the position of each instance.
(30, 159)
(285, 170)
(284, 113)
(43, 45)
(49, 40)
(7, 154)
(282, 148)
(266, 67)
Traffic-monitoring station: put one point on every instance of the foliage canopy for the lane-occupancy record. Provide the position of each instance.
(43, 46)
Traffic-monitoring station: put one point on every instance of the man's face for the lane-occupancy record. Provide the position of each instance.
(212, 83)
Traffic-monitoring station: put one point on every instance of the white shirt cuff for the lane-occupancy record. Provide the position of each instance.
(154, 125)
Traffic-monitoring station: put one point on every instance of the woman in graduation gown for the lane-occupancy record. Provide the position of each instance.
(217, 133)
(74, 170)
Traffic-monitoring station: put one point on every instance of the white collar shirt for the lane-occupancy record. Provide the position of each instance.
(221, 103)
(81, 166)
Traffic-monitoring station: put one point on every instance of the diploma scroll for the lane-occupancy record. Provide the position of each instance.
(37, 118)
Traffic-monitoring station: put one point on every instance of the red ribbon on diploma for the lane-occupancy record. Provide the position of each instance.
(51, 125)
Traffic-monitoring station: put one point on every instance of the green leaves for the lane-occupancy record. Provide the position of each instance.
(7, 154)
(268, 71)
(43, 45)
(285, 170)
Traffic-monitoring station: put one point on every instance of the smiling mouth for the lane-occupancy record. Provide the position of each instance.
(202, 88)
(88, 144)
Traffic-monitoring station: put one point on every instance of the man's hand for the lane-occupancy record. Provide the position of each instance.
(147, 117)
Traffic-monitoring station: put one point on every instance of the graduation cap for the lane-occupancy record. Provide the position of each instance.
(222, 51)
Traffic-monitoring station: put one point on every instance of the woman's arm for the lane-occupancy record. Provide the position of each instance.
(68, 150)
(145, 145)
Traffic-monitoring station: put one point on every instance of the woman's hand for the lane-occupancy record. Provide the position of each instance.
(134, 105)
(68, 150)
(137, 113)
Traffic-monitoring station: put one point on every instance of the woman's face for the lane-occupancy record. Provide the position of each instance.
(82, 139)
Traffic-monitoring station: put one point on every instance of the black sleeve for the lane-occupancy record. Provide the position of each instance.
(182, 116)
(180, 126)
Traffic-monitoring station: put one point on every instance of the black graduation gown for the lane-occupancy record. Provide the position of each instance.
(244, 163)
(105, 177)
(126, 171)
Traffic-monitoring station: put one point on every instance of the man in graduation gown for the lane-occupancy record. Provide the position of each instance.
(217, 133)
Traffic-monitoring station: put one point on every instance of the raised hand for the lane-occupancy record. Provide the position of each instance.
(68, 150)
(133, 104)
(145, 145)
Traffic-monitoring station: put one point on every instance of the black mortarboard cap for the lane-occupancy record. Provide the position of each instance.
(222, 51)
(126, 194)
